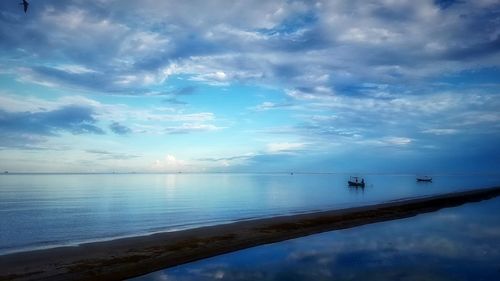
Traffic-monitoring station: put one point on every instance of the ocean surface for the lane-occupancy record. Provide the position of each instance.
(461, 243)
(49, 210)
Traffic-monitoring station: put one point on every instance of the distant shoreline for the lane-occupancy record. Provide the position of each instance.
(444, 174)
(128, 257)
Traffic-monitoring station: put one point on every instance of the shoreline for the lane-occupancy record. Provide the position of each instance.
(29, 249)
(134, 256)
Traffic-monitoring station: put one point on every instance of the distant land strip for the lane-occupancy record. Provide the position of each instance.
(129, 257)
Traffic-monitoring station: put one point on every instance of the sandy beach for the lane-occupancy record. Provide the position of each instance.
(129, 257)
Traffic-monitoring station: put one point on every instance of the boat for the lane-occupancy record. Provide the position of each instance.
(353, 181)
(424, 179)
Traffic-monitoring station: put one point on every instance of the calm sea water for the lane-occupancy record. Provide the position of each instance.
(460, 243)
(38, 211)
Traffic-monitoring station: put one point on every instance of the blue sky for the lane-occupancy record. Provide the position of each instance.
(268, 86)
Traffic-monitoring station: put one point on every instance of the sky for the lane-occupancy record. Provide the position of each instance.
(389, 86)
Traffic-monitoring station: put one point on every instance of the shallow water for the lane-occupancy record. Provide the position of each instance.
(461, 243)
(47, 210)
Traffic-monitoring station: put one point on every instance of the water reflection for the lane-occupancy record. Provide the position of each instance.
(357, 189)
(453, 244)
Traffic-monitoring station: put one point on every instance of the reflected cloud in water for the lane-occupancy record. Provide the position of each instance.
(453, 244)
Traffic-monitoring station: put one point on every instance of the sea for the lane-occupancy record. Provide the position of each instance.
(39, 211)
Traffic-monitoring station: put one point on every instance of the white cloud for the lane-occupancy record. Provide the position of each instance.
(158, 115)
(441, 131)
(191, 128)
(369, 35)
(75, 68)
(169, 163)
(397, 140)
(267, 105)
(390, 141)
(144, 43)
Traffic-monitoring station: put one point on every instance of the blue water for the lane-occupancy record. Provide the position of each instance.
(39, 211)
(461, 243)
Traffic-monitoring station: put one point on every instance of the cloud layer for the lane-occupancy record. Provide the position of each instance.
(332, 76)
(104, 47)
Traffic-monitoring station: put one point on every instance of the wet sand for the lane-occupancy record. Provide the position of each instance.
(129, 257)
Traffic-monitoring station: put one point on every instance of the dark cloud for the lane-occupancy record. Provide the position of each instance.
(102, 81)
(29, 130)
(87, 80)
(98, 151)
(119, 129)
(172, 96)
(107, 155)
(184, 91)
(174, 101)
(482, 49)
(73, 118)
(444, 4)
(186, 45)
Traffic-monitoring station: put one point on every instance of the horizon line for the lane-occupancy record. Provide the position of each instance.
(496, 173)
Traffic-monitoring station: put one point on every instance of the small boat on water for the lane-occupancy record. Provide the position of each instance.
(424, 179)
(354, 181)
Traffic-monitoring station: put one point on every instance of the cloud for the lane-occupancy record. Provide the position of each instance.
(170, 163)
(255, 162)
(119, 129)
(444, 4)
(268, 159)
(390, 141)
(380, 114)
(349, 74)
(285, 147)
(74, 119)
(267, 105)
(183, 91)
(107, 155)
(441, 131)
(231, 158)
(191, 128)
(172, 96)
(340, 44)
(156, 120)
(16, 103)
(160, 115)
(21, 141)
(29, 130)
